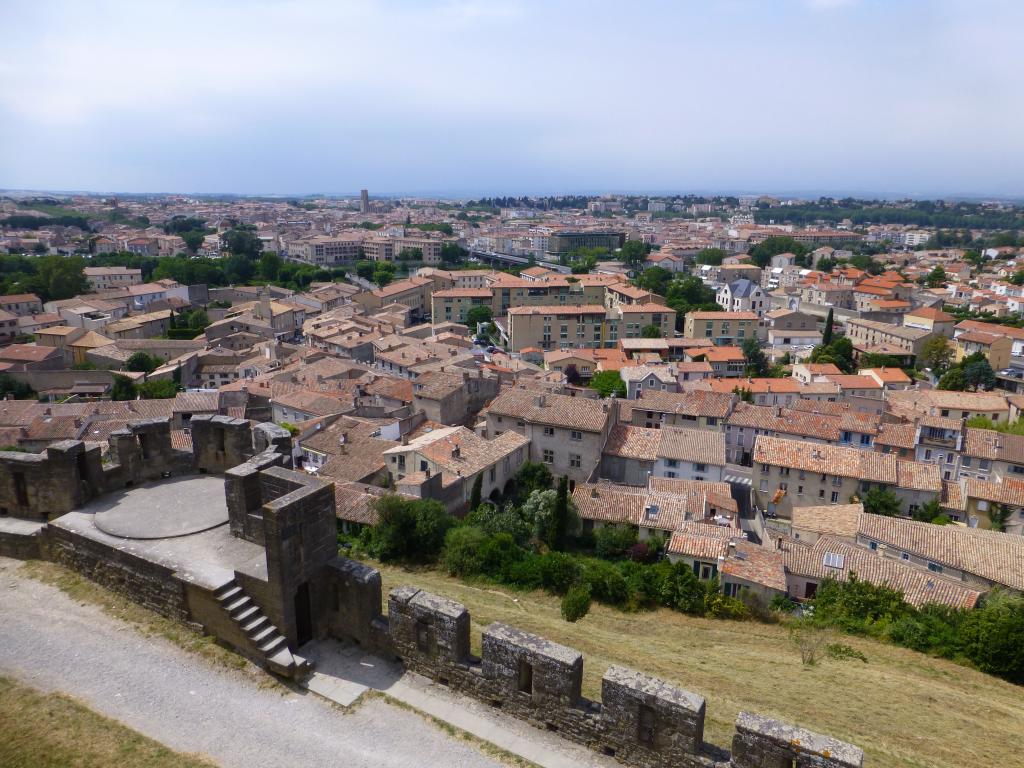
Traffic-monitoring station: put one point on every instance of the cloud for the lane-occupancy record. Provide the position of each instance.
(511, 95)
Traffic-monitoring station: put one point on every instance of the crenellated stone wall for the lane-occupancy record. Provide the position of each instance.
(640, 720)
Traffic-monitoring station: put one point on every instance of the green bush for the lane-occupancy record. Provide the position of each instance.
(612, 541)
(576, 603)
(462, 550)
(559, 571)
(526, 573)
(410, 530)
(606, 582)
(498, 554)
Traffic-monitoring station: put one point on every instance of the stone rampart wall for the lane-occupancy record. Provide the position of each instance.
(640, 720)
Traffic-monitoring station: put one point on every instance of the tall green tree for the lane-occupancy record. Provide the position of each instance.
(474, 496)
(559, 524)
(881, 501)
(936, 354)
(753, 355)
(826, 335)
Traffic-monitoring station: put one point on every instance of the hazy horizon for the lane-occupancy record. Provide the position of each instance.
(464, 98)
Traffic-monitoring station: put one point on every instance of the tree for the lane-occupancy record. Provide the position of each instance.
(936, 278)
(576, 602)
(383, 273)
(826, 335)
(533, 476)
(881, 501)
(655, 280)
(713, 256)
(474, 496)
(58, 277)
(241, 242)
(650, 332)
(122, 389)
(558, 525)
(953, 380)
(978, 374)
(756, 362)
(158, 389)
(270, 265)
(365, 269)
(936, 354)
(608, 383)
(142, 362)
(193, 239)
(409, 530)
(761, 254)
(928, 511)
(480, 313)
(634, 252)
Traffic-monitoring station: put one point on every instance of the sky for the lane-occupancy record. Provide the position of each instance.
(473, 97)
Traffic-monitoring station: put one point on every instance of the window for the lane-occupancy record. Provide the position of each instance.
(673, 474)
(524, 681)
(732, 590)
(835, 497)
(576, 435)
(549, 456)
(764, 485)
(575, 460)
(934, 567)
(671, 463)
(928, 454)
(549, 431)
(821, 493)
(873, 545)
(491, 474)
(966, 461)
(799, 490)
(647, 725)
(833, 560)
(904, 555)
(705, 571)
(700, 467)
(984, 464)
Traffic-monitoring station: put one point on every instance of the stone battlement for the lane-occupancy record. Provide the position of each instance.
(640, 720)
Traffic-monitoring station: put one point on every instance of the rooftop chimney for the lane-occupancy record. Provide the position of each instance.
(456, 452)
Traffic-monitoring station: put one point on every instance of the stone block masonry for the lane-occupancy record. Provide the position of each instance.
(640, 720)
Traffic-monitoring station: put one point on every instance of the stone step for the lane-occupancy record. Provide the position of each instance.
(232, 593)
(249, 614)
(258, 622)
(263, 635)
(224, 589)
(238, 605)
(282, 662)
(273, 645)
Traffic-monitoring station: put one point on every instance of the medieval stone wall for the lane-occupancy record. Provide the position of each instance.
(640, 720)
(147, 583)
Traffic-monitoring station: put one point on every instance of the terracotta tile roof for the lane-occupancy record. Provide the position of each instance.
(700, 446)
(608, 503)
(714, 404)
(918, 587)
(698, 546)
(989, 444)
(835, 519)
(897, 435)
(585, 414)
(633, 442)
(997, 557)
(755, 564)
(354, 502)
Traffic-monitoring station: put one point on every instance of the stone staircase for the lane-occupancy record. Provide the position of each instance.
(265, 640)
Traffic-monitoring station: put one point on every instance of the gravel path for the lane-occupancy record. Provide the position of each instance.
(53, 643)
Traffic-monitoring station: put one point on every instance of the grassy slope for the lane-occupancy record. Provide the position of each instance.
(53, 731)
(903, 708)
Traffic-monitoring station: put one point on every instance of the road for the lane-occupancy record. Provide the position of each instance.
(53, 643)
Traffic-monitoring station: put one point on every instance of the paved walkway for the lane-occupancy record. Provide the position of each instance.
(53, 643)
(344, 672)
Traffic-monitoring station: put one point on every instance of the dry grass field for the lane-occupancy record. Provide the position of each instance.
(903, 708)
(53, 731)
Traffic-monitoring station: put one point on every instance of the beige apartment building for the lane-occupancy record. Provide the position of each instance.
(873, 336)
(566, 433)
(566, 327)
(107, 278)
(326, 250)
(452, 304)
(413, 292)
(792, 473)
(382, 248)
(724, 328)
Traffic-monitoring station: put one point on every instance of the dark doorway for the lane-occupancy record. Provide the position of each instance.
(303, 615)
(810, 590)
